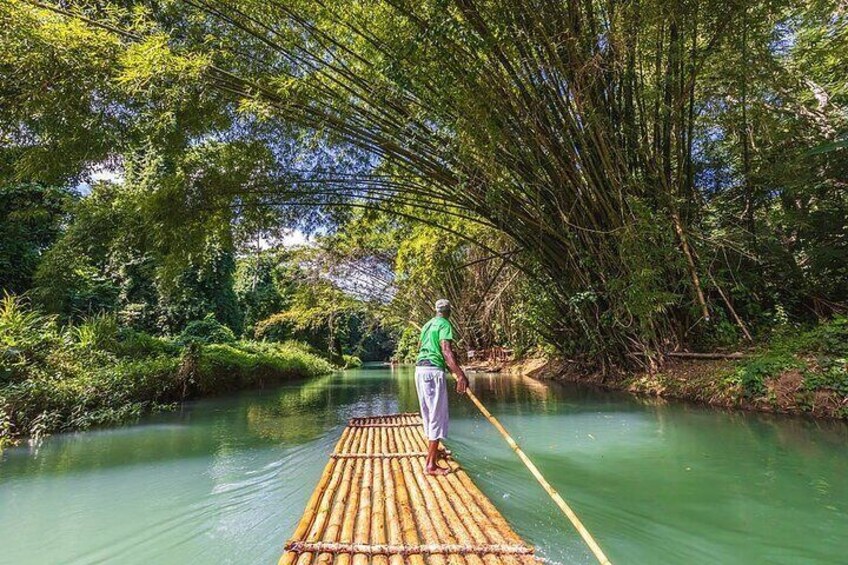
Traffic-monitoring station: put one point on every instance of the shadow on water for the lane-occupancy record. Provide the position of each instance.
(225, 479)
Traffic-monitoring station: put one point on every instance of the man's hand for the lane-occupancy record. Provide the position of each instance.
(450, 361)
(461, 384)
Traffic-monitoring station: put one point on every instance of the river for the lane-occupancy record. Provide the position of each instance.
(225, 480)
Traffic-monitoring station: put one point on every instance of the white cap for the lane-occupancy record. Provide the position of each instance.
(442, 305)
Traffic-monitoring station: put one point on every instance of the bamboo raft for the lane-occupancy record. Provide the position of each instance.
(375, 506)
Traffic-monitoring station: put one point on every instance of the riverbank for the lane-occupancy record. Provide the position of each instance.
(804, 372)
(70, 384)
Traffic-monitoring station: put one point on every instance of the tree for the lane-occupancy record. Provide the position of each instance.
(31, 218)
(646, 165)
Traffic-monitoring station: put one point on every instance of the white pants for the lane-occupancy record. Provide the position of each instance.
(433, 400)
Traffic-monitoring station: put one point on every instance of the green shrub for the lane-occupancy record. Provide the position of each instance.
(752, 374)
(207, 331)
(829, 338)
(407, 347)
(351, 361)
(96, 332)
(277, 327)
(27, 337)
(831, 374)
(94, 374)
(820, 352)
(132, 343)
(224, 367)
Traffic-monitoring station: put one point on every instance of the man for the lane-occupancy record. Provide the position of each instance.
(435, 356)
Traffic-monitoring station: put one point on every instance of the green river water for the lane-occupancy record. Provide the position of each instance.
(225, 480)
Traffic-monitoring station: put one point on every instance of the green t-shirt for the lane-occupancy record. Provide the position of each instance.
(430, 344)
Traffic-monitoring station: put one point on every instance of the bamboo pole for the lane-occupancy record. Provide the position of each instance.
(393, 523)
(378, 510)
(409, 532)
(385, 425)
(555, 496)
(363, 514)
(350, 513)
(464, 513)
(419, 505)
(447, 519)
(381, 507)
(383, 550)
(349, 523)
(316, 500)
(705, 356)
(336, 528)
(384, 441)
(433, 502)
(482, 529)
(499, 531)
(379, 455)
(334, 523)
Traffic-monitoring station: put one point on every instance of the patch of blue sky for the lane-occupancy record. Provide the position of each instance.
(783, 38)
(101, 172)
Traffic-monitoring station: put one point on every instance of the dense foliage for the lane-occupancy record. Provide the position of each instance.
(611, 180)
(31, 217)
(58, 378)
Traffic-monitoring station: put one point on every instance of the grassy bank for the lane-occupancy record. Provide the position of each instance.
(55, 379)
(799, 371)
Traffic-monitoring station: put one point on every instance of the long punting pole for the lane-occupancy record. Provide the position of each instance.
(566, 509)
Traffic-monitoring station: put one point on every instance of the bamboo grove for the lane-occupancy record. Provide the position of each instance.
(574, 142)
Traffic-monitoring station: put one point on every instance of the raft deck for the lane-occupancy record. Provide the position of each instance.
(375, 506)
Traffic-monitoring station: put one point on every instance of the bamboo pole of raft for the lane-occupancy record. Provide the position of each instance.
(558, 500)
(334, 524)
(460, 511)
(448, 520)
(312, 506)
(379, 526)
(363, 514)
(409, 533)
(481, 528)
(419, 503)
(432, 503)
(349, 513)
(469, 508)
(352, 503)
(378, 511)
(413, 523)
(393, 531)
(470, 520)
(500, 531)
(324, 511)
(345, 516)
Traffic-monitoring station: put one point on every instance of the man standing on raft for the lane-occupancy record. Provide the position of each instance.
(435, 356)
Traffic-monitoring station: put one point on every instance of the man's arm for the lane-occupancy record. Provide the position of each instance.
(450, 361)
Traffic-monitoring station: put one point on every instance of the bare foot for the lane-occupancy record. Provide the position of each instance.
(436, 471)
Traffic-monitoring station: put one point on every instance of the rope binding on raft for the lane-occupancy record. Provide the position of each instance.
(420, 549)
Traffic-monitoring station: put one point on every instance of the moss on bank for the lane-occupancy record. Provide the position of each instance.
(797, 372)
(55, 379)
